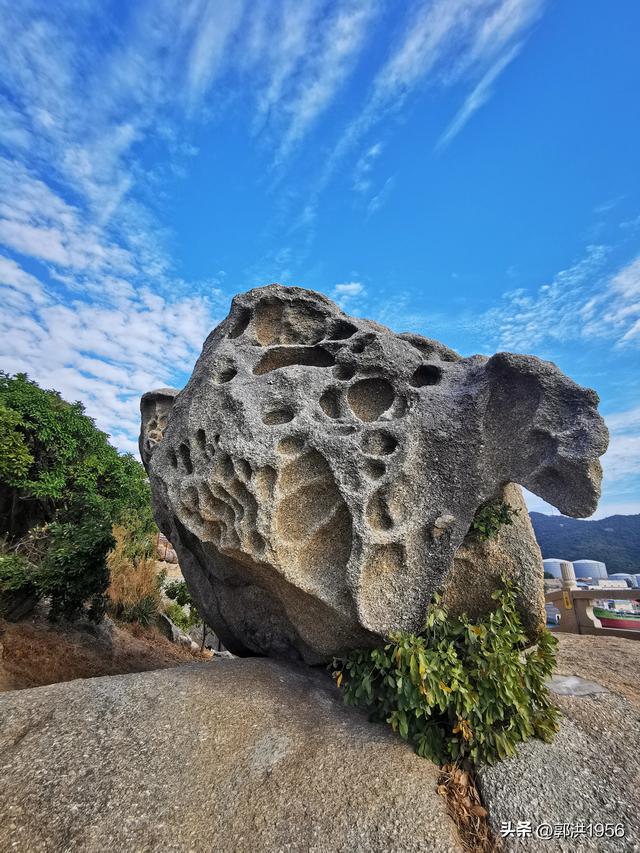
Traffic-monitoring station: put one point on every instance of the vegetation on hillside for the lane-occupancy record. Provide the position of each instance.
(614, 540)
(62, 488)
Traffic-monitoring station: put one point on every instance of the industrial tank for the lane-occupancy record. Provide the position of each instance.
(552, 566)
(593, 569)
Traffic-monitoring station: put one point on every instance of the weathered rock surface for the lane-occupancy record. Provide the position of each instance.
(479, 564)
(591, 772)
(318, 473)
(229, 756)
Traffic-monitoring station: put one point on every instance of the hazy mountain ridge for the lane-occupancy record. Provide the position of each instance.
(614, 540)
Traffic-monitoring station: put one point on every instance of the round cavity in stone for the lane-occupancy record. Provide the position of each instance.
(379, 443)
(240, 323)
(344, 371)
(373, 468)
(369, 398)
(291, 445)
(278, 416)
(225, 374)
(399, 408)
(378, 514)
(341, 330)
(330, 402)
(426, 374)
(185, 456)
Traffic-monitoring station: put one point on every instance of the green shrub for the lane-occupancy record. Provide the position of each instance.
(60, 476)
(143, 611)
(74, 573)
(179, 592)
(185, 619)
(15, 459)
(64, 562)
(17, 573)
(490, 517)
(458, 689)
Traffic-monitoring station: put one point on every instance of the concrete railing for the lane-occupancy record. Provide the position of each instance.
(576, 610)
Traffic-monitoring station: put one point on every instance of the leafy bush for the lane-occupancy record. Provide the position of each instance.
(74, 571)
(177, 615)
(60, 476)
(491, 517)
(179, 592)
(458, 688)
(64, 562)
(15, 459)
(17, 573)
(52, 456)
(182, 611)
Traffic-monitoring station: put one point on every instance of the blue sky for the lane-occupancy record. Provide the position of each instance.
(467, 169)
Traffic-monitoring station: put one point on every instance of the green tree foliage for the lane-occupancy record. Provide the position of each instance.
(60, 476)
(71, 460)
(458, 689)
(74, 571)
(15, 459)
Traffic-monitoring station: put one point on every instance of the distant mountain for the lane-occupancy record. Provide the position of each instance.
(614, 540)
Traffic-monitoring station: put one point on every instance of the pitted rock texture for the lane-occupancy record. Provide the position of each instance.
(319, 472)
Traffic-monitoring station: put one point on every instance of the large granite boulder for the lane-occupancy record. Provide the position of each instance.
(228, 756)
(319, 473)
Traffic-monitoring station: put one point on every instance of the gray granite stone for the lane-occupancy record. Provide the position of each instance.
(319, 473)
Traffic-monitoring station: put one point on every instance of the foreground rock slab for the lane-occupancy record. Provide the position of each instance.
(246, 755)
(590, 774)
(319, 473)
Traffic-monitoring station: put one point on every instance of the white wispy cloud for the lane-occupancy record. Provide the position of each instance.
(478, 97)
(343, 37)
(348, 295)
(380, 197)
(621, 463)
(524, 319)
(214, 25)
(105, 352)
(443, 42)
(617, 310)
(362, 172)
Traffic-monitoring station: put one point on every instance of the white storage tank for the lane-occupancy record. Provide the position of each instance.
(593, 569)
(623, 576)
(552, 567)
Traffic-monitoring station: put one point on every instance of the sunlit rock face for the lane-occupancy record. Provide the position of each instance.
(319, 473)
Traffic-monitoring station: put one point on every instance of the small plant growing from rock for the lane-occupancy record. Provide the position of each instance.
(491, 517)
(458, 689)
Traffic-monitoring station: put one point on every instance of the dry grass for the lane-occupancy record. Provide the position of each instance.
(34, 652)
(457, 785)
(130, 583)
